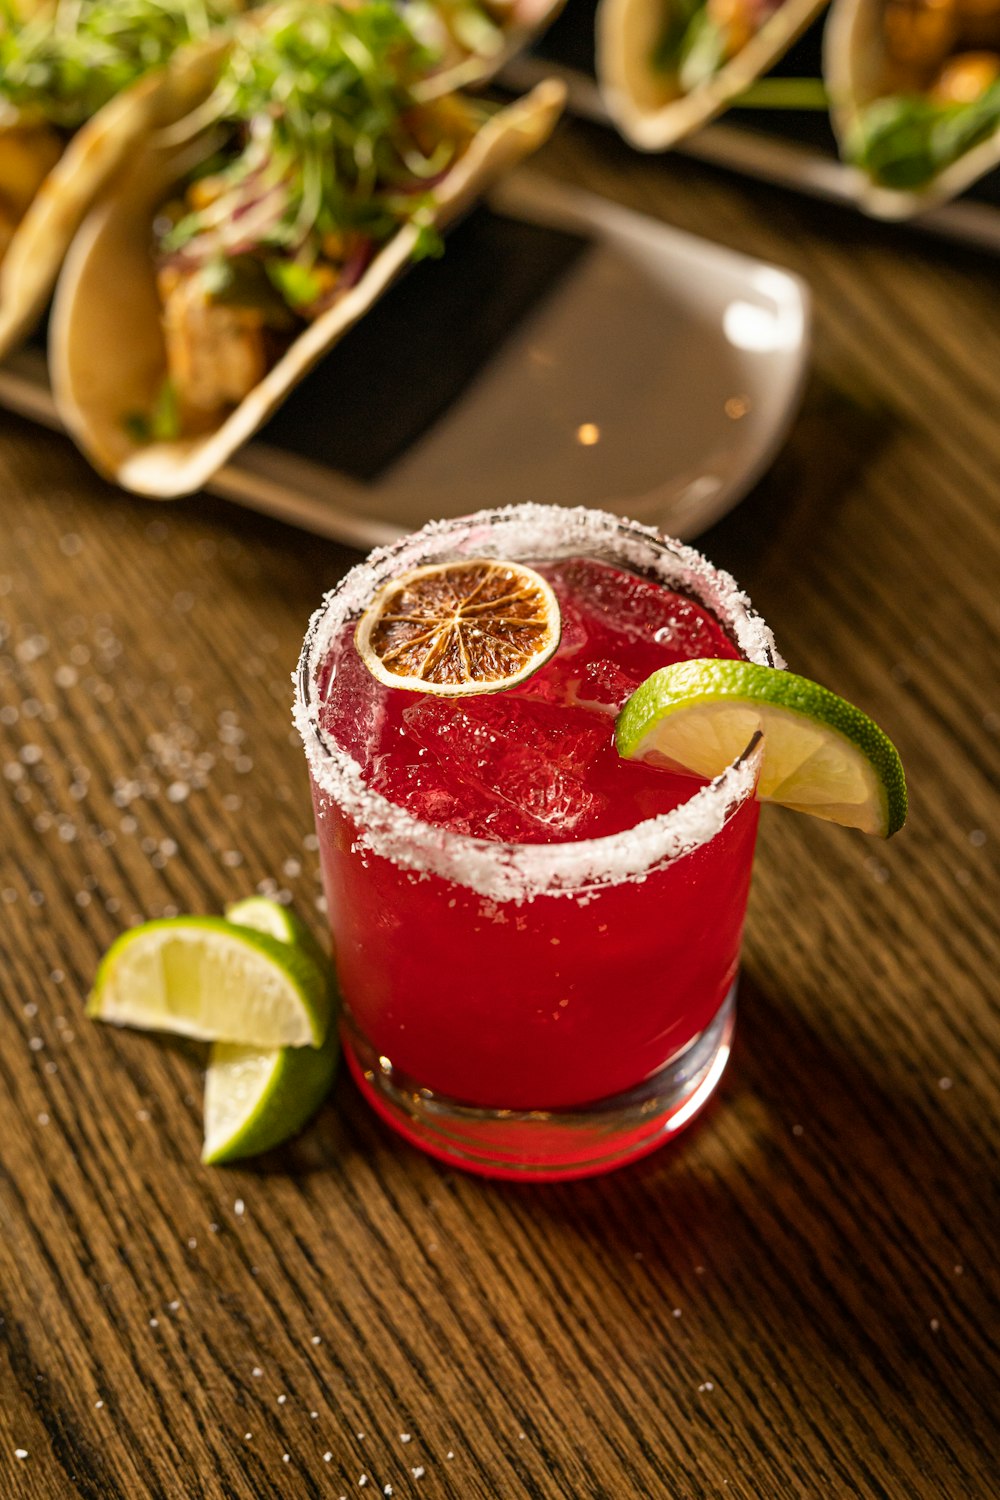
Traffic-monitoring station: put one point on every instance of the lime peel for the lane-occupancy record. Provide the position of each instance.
(821, 755)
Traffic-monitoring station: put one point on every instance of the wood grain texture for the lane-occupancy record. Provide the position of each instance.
(794, 1300)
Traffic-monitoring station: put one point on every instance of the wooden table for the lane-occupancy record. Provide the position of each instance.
(794, 1299)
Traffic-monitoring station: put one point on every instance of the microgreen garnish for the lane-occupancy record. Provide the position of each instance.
(65, 64)
(330, 150)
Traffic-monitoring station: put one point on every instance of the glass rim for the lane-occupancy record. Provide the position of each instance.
(504, 871)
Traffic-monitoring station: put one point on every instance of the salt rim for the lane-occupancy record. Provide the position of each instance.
(522, 872)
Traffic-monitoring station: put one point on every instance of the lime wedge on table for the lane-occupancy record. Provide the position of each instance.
(257, 1097)
(264, 915)
(821, 754)
(207, 978)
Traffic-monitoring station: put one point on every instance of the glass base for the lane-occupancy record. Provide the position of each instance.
(549, 1145)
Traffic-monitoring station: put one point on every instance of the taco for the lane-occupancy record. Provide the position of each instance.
(246, 241)
(667, 67)
(915, 94)
(80, 84)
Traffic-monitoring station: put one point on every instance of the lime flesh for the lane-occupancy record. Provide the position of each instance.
(204, 977)
(821, 755)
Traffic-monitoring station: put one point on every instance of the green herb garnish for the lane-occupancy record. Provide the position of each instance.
(161, 424)
(67, 62)
(165, 418)
(671, 47)
(702, 51)
(300, 285)
(903, 141)
(322, 108)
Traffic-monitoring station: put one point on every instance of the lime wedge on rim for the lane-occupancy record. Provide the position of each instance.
(258, 1097)
(821, 755)
(204, 977)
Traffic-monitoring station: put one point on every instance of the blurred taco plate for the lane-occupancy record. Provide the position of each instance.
(667, 67)
(81, 83)
(915, 97)
(247, 238)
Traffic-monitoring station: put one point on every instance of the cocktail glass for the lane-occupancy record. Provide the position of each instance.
(540, 1010)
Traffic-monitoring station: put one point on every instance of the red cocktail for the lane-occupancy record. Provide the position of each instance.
(537, 942)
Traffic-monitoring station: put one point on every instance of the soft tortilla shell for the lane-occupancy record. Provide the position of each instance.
(854, 65)
(525, 21)
(95, 154)
(106, 351)
(640, 99)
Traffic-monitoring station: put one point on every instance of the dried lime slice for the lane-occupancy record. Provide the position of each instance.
(821, 754)
(470, 626)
